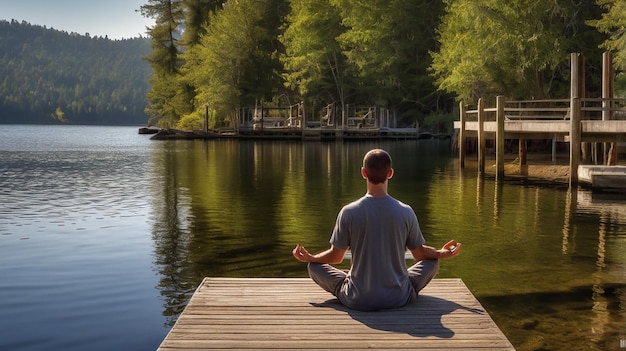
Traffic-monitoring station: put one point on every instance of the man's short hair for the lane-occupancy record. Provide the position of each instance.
(377, 165)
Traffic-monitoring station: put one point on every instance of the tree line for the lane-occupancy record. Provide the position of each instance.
(51, 76)
(417, 57)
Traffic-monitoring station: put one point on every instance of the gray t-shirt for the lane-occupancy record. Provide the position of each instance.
(378, 230)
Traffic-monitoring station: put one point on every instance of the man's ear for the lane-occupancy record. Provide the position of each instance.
(363, 173)
(390, 175)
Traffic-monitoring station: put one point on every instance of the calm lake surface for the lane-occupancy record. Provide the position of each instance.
(105, 234)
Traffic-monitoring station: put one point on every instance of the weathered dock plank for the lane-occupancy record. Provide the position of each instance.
(294, 313)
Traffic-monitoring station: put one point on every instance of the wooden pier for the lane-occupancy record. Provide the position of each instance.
(294, 313)
(576, 120)
(293, 122)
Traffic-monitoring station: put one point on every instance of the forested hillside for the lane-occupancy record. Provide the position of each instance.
(51, 76)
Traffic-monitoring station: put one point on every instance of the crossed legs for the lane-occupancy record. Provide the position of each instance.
(330, 278)
(327, 277)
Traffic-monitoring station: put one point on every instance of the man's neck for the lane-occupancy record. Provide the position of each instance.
(377, 190)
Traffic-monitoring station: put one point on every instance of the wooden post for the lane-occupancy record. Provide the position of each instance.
(344, 117)
(574, 134)
(585, 147)
(607, 85)
(500, 138)
(607, 104)
(206, 118)
(554, 149)
(481, 137)
(574, 141)
(521, 154)
(302, 113)
(462, 146)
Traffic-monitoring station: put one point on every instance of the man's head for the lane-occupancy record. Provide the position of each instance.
(377, 166)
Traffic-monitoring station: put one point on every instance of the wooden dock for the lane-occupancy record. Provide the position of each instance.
(294, 313)
(575, 120)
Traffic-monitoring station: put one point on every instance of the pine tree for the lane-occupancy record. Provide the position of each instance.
(168, 98)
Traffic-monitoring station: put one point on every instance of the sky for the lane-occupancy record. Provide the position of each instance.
(116, 19)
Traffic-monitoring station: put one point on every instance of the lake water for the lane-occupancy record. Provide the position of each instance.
(105, 234)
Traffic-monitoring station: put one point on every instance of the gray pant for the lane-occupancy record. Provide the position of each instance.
(330, 278)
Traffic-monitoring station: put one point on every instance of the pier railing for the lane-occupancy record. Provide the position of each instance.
(293, 117)
(554, 109)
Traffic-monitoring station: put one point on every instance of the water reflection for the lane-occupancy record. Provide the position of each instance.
(570, 210)
(532, 290)
(170, 232)
(611, 210)
(549, 264)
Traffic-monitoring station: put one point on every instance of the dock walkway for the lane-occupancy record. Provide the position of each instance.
(294, 313)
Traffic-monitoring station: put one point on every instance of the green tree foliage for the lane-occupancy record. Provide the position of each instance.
(196, 19)
(517, 48)
(373, 51)
(410, 55)
(236, 63)
(224, 54)
(581, 38)
(196, 23)
(388, 44)
(91, 80)
(613, 23)
(197, 14)
(59, 115)
(491, 47)
(315, 66)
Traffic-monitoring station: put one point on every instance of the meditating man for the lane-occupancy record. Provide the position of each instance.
(378, 230)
